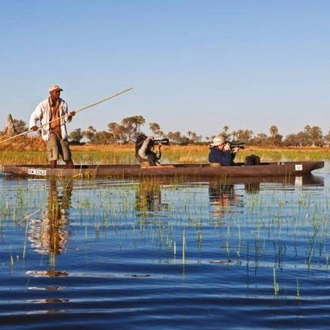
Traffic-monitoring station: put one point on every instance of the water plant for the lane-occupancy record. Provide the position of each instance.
(298, 289)
(276, 286)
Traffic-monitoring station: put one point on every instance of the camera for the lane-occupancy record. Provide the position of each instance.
(161, 141)
(235, 144)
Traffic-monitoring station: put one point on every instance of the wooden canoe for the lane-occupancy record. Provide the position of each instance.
(286, 169)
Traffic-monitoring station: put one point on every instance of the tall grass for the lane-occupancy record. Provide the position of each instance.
(114, 154)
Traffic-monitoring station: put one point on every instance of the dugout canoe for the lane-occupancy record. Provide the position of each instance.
(176, 170)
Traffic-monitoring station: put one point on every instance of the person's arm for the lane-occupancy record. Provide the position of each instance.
(158, 151)
(226, 158)
(143, 150)
(233, 154)
(65, 112)
(35, 117)
(223, 158)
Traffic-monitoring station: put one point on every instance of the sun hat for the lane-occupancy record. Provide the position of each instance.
(217, 141)
(54, 88)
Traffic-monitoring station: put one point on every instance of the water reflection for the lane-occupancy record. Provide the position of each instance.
(222, 198)
(254, 184)
(252, 188)
(148, 198)
(49, 234)
(119, 268)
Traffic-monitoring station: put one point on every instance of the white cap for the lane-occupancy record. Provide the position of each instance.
(54, 88)
(217, 141)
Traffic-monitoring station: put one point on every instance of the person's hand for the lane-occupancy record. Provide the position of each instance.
(226, 146)
(34, 128)
(71, 114)
(235, 150)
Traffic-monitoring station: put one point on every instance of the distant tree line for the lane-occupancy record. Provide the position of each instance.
(129, 127)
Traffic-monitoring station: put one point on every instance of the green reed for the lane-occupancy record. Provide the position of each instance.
(22, 157)
(171, 154)
(289, 154)
(199, 154)
(124, 156)
(276, 286)
(298, 289)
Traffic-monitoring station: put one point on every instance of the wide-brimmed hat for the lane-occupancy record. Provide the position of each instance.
(217, 141)
(55, 88)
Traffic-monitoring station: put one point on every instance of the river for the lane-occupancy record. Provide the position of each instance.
(106, 254)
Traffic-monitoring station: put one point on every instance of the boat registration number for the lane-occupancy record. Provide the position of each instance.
(35, 171)
(298, 167)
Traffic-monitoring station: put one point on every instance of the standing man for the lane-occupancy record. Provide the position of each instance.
(53, 115)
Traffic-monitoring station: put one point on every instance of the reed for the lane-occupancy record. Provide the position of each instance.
(125, 154)
(298, 289)
(184, 246)
(276, 286)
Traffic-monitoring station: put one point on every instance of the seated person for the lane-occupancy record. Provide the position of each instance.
(144, 150)
(221, 153)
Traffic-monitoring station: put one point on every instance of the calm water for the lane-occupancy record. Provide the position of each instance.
(165, 255)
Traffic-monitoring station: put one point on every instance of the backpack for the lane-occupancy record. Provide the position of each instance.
(252, 160)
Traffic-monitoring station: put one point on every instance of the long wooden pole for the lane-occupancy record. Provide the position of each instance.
(76, 111)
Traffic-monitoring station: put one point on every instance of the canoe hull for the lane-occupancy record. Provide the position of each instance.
(176, 170)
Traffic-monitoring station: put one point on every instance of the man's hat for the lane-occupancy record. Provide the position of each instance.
(217, 141)
(54, 88)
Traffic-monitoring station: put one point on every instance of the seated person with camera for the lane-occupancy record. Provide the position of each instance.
(146, 151)
(221, 152)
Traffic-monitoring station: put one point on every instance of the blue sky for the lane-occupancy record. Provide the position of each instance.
(195, 65)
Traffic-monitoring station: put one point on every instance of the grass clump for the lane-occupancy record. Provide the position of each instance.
(29, 151)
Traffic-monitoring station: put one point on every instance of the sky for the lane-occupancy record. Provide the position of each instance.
(194, 65)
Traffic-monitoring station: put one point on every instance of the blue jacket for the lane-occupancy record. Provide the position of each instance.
(222, 157)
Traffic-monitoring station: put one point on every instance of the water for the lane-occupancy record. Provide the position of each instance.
(164, 255)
